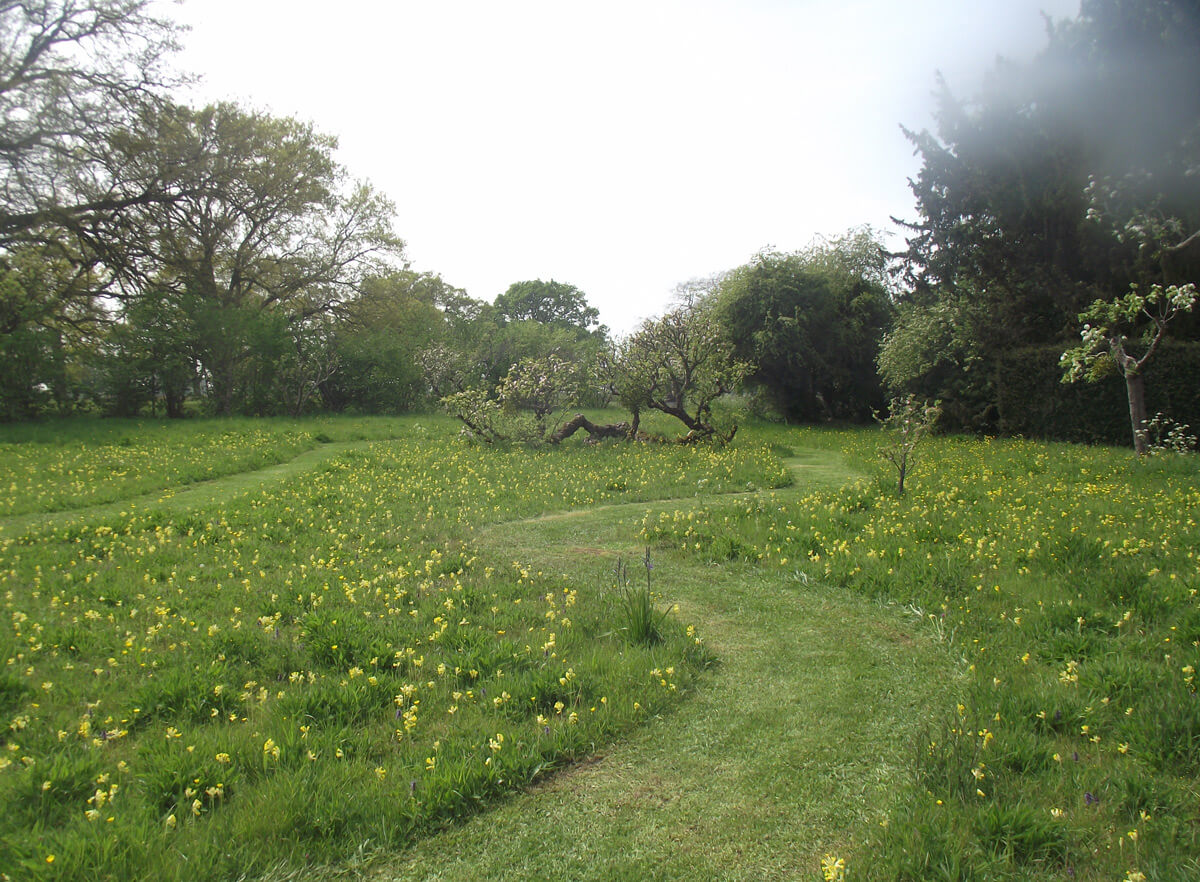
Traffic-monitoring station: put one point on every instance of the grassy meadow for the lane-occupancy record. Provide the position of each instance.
(204, 693)
(384, 660)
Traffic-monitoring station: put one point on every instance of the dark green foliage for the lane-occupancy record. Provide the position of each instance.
(1034, 402)
(51, 793)
(641, 621)
(549, 303)
(377, 341)
(810, 324)
(14, 692)
(1061, 182)
(1021, 834)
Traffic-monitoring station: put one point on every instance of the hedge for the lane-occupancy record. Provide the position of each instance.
(1033, 401)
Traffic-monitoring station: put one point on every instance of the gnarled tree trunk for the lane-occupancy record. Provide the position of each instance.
(595, 431)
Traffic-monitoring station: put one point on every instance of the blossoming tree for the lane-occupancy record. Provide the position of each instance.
(1113, 335)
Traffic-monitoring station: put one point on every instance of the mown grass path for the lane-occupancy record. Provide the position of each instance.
(189, 496)
(790, 749)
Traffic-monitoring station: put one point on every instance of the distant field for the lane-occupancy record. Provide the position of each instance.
(991, 677)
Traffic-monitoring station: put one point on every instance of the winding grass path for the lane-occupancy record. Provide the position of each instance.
(189, 496)
(790, 749)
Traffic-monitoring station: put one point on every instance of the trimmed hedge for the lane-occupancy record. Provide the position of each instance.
(1033, 401)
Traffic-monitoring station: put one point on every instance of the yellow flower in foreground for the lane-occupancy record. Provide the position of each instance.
(833, 869)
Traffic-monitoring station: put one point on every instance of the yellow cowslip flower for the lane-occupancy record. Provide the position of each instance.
(833, 869)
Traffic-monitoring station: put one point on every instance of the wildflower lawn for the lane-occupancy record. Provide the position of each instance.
(990, 677)
(279, 677)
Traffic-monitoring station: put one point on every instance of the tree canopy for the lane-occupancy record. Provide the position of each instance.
(550, 303)
(262, 229)
(1063, 181)
(809, 324)
(71, 73)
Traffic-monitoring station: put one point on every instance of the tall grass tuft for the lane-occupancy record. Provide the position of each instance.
(643, 623)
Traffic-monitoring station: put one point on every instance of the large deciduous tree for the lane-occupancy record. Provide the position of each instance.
(47, 311)
(71, 73)
(809, 324)
(550, 303)
(380, 337)
(262, 224)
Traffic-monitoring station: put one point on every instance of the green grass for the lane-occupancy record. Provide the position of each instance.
(992, 677)
(794, 744)
(1064, 581)
(73, 463)
(329, 657)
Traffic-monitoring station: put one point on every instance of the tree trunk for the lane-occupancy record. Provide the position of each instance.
(1135, 388)
(222, 385)
(579, 421)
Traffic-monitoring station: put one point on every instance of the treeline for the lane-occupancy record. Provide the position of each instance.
(158, 258)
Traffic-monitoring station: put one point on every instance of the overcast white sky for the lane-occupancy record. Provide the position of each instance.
(624, 146)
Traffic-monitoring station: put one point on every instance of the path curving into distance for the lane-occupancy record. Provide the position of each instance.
(788, 751)
(187, 496)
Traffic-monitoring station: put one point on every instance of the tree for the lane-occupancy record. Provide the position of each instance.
(149, 353)
(71, 73)
(679, 364)
(379, 335)
(312, 362)
(810, 325)
(47, 309)
(1106, 343)
(540, 386)
(261, 223)
(521, 404)
(550, 303)
(907, 423)
(1010, 178)
(940, 349)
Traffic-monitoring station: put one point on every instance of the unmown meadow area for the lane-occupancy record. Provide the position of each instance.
(365, 648)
